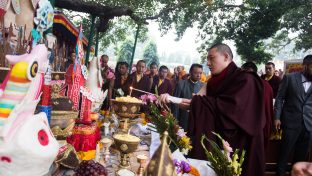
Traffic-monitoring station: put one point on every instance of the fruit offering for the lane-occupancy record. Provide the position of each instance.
(90, 168)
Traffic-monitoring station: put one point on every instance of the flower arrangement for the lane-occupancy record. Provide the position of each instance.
(184, 168)
(221, 161)
(163, 120)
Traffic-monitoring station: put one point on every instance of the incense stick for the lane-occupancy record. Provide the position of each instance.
(131, 88)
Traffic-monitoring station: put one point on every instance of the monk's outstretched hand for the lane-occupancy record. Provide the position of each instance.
(164, 98)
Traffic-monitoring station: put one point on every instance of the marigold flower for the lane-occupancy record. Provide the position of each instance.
(184, 141)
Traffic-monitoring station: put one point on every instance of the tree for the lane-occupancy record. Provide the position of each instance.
(150, 53)
(124, 51)
(248, 24)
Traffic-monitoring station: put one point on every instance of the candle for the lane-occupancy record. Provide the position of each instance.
(131, 91)
(97, 152)
(106, 128)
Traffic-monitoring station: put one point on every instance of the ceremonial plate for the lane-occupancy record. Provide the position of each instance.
(16, 6)
(34, 3)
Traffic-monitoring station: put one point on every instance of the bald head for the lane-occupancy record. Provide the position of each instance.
(219, 57)
(222, 48)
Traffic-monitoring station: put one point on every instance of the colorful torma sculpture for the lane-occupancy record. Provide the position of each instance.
(27, 146)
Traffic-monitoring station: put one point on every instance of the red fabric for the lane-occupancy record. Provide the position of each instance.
(74, 82)
(85, 110)
(216, 80)
(234, 108)
(46, 95)
(2, 12)
(82, 142)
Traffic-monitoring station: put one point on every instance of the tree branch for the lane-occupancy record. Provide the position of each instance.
(282, 46)
(97, 9)
(164, 11)
(241, 6)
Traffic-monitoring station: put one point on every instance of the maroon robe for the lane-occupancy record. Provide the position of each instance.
(234, 108)
(123, 86)
(274, 82)
(165, 86)
(144, 84)
(269, 114)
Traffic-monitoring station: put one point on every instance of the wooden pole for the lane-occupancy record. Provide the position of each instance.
(97, 43)
(90, 39)
(133, 50)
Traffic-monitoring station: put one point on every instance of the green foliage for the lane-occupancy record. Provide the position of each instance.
(219, 159)
(299, 20)
(150, 53)
(124, 52)
(163, 120)
(249, 24)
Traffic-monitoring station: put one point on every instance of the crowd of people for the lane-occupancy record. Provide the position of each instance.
(235, 102)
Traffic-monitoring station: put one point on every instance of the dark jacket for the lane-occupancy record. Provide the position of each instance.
(293, 106)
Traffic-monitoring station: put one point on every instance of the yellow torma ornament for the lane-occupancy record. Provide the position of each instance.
(19, 70)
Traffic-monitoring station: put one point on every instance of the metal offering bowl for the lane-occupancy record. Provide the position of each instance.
(63, 118)
(126, 143)
(126, 109)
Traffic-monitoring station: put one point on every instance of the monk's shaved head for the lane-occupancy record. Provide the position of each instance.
(223, 48)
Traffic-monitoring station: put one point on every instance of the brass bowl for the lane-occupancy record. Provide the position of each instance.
(126, 109)
(126, 143)
(63, 118)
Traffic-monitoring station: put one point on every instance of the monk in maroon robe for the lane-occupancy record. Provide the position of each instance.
(161, 84)
(271, 78)
(140, 81)
(233, 107)
(122, 80)
(268, 100)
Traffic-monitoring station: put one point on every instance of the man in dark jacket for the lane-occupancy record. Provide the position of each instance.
(293, 112)
(186, 89)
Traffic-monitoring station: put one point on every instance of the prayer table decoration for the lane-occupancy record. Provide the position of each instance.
(106, 143)
(67, 157)
(221, 160)
(126, 144)
(161, 164)
(126, 108)
(25, 138)
(84, 139)
(63, 115)
(163, 120)
(142, 160)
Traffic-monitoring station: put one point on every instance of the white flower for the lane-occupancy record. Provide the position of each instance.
(227, 149)
(184, 151)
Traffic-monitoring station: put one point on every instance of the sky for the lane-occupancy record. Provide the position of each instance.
(168, 45)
